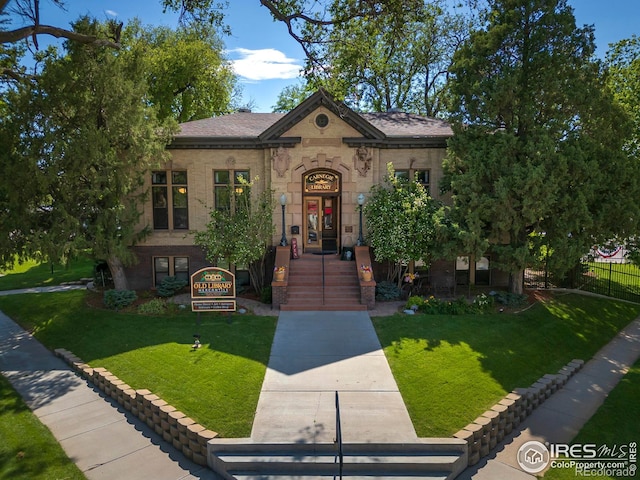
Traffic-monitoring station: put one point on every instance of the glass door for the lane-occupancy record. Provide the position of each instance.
(312, 223)
(321, 224)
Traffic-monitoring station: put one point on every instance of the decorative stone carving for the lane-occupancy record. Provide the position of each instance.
(281, 160)
(362, 160)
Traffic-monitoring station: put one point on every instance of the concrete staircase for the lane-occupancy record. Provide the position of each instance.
(240, 459)
(305, 290)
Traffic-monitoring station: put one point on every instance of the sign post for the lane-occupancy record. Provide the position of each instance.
(213, 289)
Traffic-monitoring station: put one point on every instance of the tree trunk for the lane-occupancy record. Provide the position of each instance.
(516, 282)
(117, 273)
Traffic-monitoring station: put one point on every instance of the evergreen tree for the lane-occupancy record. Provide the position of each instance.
(537, 153)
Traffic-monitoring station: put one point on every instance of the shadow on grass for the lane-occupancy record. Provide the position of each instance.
(217, 384)
(450, 369)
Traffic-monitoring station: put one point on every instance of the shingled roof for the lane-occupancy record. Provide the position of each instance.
(255, 130)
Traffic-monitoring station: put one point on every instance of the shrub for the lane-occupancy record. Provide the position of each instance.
(387, 291)
(170, 286)
(265, 294)
(483, 303)
(152, 307)
(414, 301)
(509, 299)
(435, 306)
(117, 299)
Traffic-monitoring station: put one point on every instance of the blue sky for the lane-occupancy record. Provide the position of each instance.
(267, 59)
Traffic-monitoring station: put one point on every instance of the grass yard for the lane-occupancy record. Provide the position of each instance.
(450, 369)
(616, 422)
(28, 450)
(35, 274)
(217, 385)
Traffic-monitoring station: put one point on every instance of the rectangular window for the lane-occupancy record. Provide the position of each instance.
(181, 268)
(170, 189)
(462, 270)
(420, 176)
(228, 187)
(483, 271)
(159, 194)
(160, 269)
(164, 267)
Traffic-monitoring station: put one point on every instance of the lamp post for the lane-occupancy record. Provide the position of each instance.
(283, 202)
(360, 204)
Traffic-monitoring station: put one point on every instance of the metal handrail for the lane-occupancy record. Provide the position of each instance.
(339, 436)
(322, 277)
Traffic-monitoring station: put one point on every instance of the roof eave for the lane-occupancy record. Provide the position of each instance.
(203, 142)
(438, 141)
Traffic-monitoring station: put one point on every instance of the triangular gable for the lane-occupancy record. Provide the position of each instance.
(321, 99)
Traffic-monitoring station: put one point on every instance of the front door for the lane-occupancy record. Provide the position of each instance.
(321, 218)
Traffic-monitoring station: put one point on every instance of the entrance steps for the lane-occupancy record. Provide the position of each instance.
(305, 289)
(434, 458)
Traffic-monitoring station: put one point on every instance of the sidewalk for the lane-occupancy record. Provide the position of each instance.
(104, 441)
(315, 354)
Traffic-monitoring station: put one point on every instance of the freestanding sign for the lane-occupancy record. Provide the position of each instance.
(213, 289)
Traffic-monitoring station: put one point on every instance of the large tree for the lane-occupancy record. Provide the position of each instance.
(623, 63)
(537, 152)
(187, 74)
(79, 141)
(398, 61)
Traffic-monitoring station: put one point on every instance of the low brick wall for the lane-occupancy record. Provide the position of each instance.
(174, 426)
(490, 428)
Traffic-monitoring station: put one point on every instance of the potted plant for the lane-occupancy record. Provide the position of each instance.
(278, 274)
(366, 273)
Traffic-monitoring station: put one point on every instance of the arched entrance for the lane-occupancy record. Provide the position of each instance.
(321, 189)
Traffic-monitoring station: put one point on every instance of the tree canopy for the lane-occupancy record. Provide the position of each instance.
(79, 141)
(538, 139)
(396, 58)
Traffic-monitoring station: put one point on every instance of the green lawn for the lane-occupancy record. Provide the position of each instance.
(34, 274)
(450, 369)
(616, 422)
(217, 385)
(28, 450)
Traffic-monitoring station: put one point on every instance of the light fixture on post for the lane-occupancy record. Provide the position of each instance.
(360, 204)
(283, 202)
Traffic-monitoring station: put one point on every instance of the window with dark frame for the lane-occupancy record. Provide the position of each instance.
(421, 176)
(228, 186)
(169, 192)
(164, 267)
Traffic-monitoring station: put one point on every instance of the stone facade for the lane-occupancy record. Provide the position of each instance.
(279, 151)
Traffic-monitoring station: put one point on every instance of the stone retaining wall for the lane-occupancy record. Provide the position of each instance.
(174, 426)
(490, 428)
(482, 435)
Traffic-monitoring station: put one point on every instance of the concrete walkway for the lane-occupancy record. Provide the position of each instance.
(315, 354)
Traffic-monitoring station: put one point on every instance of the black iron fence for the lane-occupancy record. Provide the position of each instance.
(618, 280)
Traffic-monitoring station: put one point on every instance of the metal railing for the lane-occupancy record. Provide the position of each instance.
(340, 456)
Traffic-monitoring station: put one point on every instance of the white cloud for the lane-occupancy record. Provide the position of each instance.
(263, 64)
(111, 13)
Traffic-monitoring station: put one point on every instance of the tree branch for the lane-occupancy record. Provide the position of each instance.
(12, 36)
